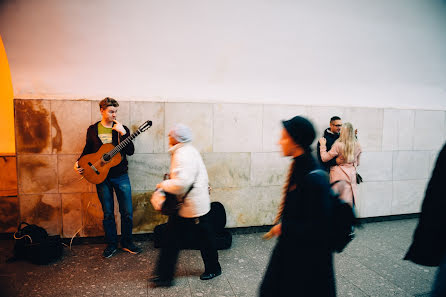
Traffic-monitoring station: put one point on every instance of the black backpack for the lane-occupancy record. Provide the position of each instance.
(33, 244)
(343, 219)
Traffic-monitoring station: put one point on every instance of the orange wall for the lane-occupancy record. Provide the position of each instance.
(7, 144)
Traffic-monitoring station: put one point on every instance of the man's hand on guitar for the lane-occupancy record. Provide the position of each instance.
(118, 127)
(78, 169)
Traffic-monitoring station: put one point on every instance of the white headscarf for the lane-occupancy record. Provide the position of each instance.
(181, 133)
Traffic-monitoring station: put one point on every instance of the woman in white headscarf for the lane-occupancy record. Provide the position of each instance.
(188, 177)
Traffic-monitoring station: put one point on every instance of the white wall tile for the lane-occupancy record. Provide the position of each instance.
(375, 199)
(68, 179)
(398, 129)
(429, 130)
(197, 116)
(43, 210)
(152, 140)
(369, 122)
(249, 206)
(273, 115)
(320, 117)
(408, 196)
(147, 170)
(65, 139)
(444, 129)
(376, 166)
(433, 160)
(269, 169)
(411, 165)
(227, 170)
(237, 128)
(71, 214)
(37, 174)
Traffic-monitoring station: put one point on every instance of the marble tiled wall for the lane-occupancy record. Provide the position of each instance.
(9, 214)
(239, 146)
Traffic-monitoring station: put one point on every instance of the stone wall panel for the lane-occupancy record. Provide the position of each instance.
(37, 174)
(33, 126)
(43, 210)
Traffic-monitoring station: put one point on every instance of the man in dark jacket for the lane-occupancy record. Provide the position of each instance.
(331, 134)
(429, 240)
(109, 130)
(302, 261)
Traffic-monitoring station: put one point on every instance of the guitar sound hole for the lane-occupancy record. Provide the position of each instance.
(106, 157)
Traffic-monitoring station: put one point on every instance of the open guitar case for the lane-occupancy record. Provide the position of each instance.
(218, 220)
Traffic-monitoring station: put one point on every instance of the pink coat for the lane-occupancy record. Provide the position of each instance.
(344, 171)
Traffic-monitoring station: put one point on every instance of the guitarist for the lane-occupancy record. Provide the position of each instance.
(109, 130)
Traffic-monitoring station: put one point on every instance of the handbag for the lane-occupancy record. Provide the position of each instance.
(358, 178)
(171, 203)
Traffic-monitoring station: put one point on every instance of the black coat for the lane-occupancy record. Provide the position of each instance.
(301, 263)
(331, 138)
(93, 143)
(429, 240)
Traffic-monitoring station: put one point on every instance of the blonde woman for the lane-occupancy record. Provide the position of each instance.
(346, 150)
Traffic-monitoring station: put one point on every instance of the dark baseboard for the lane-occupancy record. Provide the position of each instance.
(248, 230)
(234, 231)
(389, 218)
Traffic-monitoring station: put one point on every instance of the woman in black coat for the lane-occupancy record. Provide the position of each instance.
(429, 241)
(301, 263)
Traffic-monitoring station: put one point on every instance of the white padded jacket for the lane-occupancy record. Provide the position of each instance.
(186, 166)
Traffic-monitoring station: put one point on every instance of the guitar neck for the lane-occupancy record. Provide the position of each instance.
(126, 141)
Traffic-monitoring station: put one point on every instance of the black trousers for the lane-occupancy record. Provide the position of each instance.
(294, 271)
(177, 229)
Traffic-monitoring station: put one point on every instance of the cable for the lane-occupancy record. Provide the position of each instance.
(71, 241)
(26, 235)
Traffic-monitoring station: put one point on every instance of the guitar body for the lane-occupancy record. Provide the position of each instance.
(95, 168)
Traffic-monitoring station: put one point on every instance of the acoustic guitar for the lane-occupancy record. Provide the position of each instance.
(97, 165)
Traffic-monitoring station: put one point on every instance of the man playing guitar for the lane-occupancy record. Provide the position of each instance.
(109, 130)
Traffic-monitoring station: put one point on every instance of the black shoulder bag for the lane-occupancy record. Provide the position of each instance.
(171, 205)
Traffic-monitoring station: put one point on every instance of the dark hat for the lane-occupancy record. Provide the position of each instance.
(301, 131)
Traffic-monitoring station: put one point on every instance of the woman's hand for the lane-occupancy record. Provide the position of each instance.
(322, 141)
(339, 160)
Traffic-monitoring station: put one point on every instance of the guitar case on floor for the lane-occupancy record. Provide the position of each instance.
(218, 220)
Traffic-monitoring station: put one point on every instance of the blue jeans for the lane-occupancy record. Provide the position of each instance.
(121, 185)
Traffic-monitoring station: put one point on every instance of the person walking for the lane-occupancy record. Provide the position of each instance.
(188, 176)
(301, 263)
(347, 151)
(428, 247)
